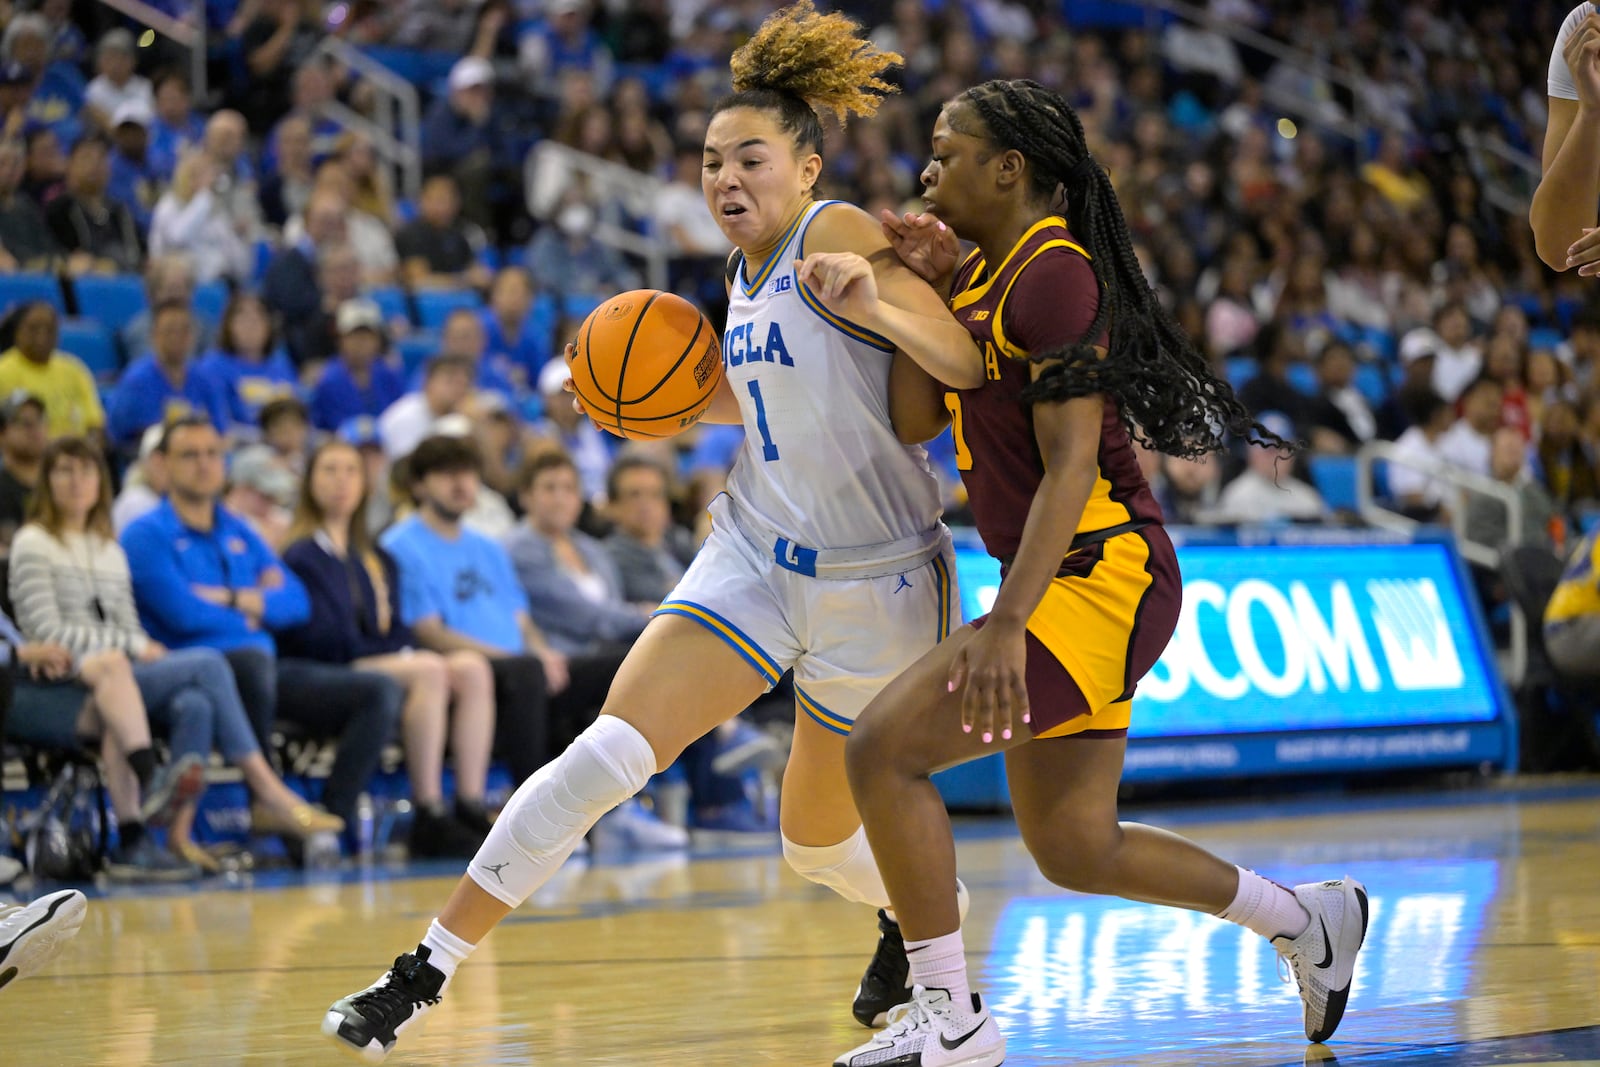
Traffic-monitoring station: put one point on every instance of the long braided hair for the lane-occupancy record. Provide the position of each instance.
(1169, 397)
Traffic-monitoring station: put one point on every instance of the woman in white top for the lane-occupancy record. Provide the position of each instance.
(70, 584)
(1564, 206)
(191, 220)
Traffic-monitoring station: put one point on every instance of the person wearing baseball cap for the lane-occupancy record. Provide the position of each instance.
(133, 181)
(460, 138)
(361, 381)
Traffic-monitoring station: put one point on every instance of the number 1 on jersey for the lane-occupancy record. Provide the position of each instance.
(769, 451)
(963, 453)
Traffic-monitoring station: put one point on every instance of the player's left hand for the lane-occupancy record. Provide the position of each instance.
(844, 283)
(1585, 252)
(992, 666)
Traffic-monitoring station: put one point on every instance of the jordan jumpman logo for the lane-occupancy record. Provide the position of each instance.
(904, 584)
(495, 869)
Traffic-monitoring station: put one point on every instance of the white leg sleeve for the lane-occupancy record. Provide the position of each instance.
(849, 870)
(551, 811)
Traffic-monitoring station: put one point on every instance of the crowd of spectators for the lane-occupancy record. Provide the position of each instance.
(334, 415)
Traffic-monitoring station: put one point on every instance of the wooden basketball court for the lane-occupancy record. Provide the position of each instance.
(1484, 948)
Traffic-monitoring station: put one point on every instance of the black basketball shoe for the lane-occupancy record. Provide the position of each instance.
(888, 978)
(367, 1024)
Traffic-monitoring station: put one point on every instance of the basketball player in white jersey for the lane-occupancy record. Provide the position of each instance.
(827, 554)
(1565, 205)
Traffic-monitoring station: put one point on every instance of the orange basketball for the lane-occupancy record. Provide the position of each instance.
(646, 364)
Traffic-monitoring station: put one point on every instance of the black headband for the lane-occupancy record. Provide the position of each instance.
(1082, 171)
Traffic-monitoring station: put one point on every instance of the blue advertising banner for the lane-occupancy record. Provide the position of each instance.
(1302, 656)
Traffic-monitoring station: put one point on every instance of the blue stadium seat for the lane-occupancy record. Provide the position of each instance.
(113, 301)
(1335, 478)
(1240, 369)
(435, 305)
(391, 300)
(416, 348)
(1545, 337)
(1303, 377)
(26, 287)
(210, 300)
(92, 341)
(1373, 381)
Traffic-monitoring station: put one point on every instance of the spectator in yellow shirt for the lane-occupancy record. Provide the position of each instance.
(33, 365)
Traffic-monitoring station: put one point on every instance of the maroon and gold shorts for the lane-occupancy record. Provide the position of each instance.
(1101, 626)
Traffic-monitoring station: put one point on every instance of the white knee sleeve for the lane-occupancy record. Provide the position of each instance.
(849, 870)
(550, 812)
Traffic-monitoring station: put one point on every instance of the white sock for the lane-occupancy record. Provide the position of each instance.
(963, 904)
(942, 964)
(446, 951)
(550, 812)
(1265, 907)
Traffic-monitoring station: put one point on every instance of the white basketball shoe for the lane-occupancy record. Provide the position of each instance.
(932, 1031)
(32, 936)
(1323, 957)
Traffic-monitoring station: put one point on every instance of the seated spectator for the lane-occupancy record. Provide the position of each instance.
(144, 484)
(370, 191)
(54, 705)
(564, 40)
(25, 241)
(459, 590)
(1572, 618)
(436, 249)
(71, 584)
(176, 128)
(1392, 174)
(1457, 358)
(446, 390)
(22, 441)
(1505, 360)
(1278, 348)
(262, 491)
(249, 361)
(117, 81)
(681, 218)
(355, 619)
(98, 235)
(278, 40)
(290, 287)
(650, 551)
(60, 380)
(463, 337)
(1412, 481)
(573, 586)
(192, 220)
(202, 578)
(67, 42)
(1266, 490)
(1488, 521)
(1188, 489)
(361, 381)
(1340, 418)
(132, 181)
(566, 259)
(164, 384)
(234, 177)
(1467, 443)
(465, 136)
(517, 329)
(1567, 462)
(56, 90)
(284, 193)
(286, 429)
(370, 237)
(573, 432)
(45, 166)
(167, 280)
(1231, 320)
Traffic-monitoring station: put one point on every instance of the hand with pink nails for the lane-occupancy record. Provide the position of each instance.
(924, 244)
(992, 668)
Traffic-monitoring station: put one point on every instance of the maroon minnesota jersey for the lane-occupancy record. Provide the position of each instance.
(1042, 296)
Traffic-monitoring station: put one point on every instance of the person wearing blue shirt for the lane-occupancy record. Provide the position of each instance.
(360, 381)
(132, 180)
(519, 324)
(459, 590)
(203, 578)
(176, 128)
(164, 384)
(463, 338)
(248, 361)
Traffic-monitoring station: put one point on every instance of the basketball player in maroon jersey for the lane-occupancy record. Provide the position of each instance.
(1078, 358)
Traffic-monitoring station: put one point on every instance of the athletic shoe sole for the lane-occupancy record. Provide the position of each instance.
(37, 944)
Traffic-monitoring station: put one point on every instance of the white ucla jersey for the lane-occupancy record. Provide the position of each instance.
(820, 466)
